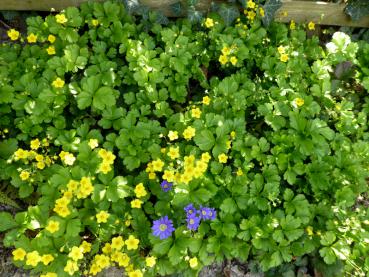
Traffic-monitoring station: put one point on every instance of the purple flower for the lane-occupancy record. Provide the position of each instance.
(207, 213)
(193, 222)
(163, 227)
(190, 209)
(166, 186)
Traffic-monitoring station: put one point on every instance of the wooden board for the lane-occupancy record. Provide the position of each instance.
(299, 11)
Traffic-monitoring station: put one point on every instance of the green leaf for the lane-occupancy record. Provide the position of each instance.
(8, 147)
(229, 230)
(228, 206)
(328, 255)
(73, 227)
(204, 140)
(328, 238)
(163, 246)
(228, 13)
(104, 98)
(270, 8)
(6, 221)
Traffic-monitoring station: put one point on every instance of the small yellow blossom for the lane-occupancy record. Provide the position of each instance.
(222, 158)
(49, 274)
(173, 152)
(262, 12)
(76, 253)
(281, 49)
(104, 168)
(239, 172)
(223, 59)
(24, 175)
(193, 262)
(189, 133)
(196, 113)
(58, 83)
(150, 261)
(86, 246)
(50, 50)
(157, 165)
(250, 4)
(285, 14)
(60, 18)
(233, 60)
(13, 34)
(132, 243)
(226, 50)
(46, 259)
(205, 157)
(309, 230)
(173, 135)
(152, 175)
(140, 190)
(33, 258)
(51, 38)
(251, 15)
(135, 273)
(311, 25)
(209, 22)
(283, 58)
(299, 102)
(19, 254)
(206, 100)
(233, 134)
(292, 25)
(136, 203)
(71, 267)
(102, 217)
(35, 144)
(52, 226)
(93, 143)
(32, 38)
(95, 22)
(117, 243)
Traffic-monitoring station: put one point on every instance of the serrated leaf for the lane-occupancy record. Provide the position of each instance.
(357, 9)
(204, 140)
(6, 221)
(270, 9)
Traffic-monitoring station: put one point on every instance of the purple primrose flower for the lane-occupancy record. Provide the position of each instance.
(190, 209)
(207, 213)
(166, 186)
(193, 222)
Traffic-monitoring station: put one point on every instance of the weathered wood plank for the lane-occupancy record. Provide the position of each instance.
(319, 12)
(299, 11)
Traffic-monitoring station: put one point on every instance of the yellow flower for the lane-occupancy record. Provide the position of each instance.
(123, 259)
(52, 226)
(223, 59)
(135, 273)
(173, 135)
(251, 15)
(136, 203)
(309, 230)
(86, 246)
(39, 158)
(102, 261)
(32, 38)
(21, 154)
(71, 267)
(60, 18)
(157, 165)
(209, 22)
(13, 34)
(233, 60)
(33, 258)
(102, 217)
(63, 211)
(95, 22)
(250, 4)
(206, 100)
(285, 13)
(58, 83)
(109, 157)
(46, 259)
(226, 50)
(24, 175)
(173, 152)
(168, 175)
(189, 133)
(233, 134)
(311, 25)
(140, 191)
(51, 38)
(292, 25)
(150, 261)
(152, 175)
(35, 144)
(107, 248)
(132, 242)
(193, 262)
(223, 158)
(299, 102)
(69, 159)
(239, 172)
(50, 50)
(76, 253)
(262, 12)
(19, 254)
(104, 168)
(281, 49)
(117, 243)
(196, 113)
(283, 58)
(72, 185)
(40, 165)
(205, 157)
(93, 143)
(49, 274)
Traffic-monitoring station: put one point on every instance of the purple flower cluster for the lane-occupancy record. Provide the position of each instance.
(163, 227)
(194, 216)
(166, 186)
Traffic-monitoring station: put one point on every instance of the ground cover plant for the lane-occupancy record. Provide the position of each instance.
(164, 148)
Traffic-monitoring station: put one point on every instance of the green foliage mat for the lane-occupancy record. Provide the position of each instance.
(263, 130)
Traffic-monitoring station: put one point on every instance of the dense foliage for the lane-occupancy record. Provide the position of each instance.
(162, 149)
